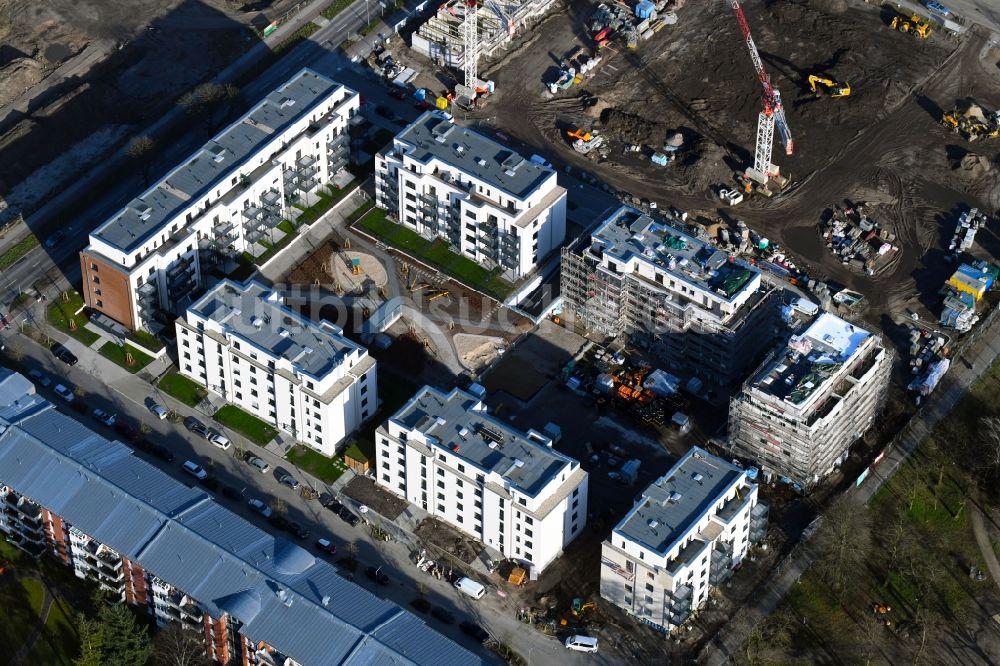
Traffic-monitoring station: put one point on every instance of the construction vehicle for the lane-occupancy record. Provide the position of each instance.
(972, 121)
(771, 117)
(584, 141)
(579, 607)
(578, 134)
(914, 25)
(836, 89)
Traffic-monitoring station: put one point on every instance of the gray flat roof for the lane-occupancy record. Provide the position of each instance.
(215, 162)
(629, 232)
(677, 500)
(433, 137)
(273, 327)
(450, 420)
(279, 592)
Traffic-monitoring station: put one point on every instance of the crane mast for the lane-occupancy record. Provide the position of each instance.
(771, 116)
(470, 29)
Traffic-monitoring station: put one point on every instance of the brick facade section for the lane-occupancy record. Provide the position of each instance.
(55, 530)
(115, 299)
(136, 592)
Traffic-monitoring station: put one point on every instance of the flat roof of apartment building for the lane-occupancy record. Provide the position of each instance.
(277, 591)
(452, 422)
(255, 314)
(629, 233)
(433, 137)
(811, 358)
(215, 163)
(671, 505)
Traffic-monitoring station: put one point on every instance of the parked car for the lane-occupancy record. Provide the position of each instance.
(278, 521)
(289, 481)
(326, 546)
(385, 112)
(40, 378)
(444, 615)
(63, 354)
(232, 492)
(297, 530)
(348, 517)
(195, 470)
(163, 453)
(63, 393)
(196, 426)
(210, 482)
(581, 643)
(158, 410)
(127, 430)
(55, 239)
(474, 631)
(421, 605)
(333, 505)
(375, 574)
(104, 417)
(261, 508)
(259, 463)
(144, 445)
(219, 439)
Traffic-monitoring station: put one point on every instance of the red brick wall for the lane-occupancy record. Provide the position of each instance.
(136, 592)
(115, 299)
(56, 531)
(217, 638)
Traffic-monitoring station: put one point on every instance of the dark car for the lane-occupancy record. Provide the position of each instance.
(289, 480)
(385, 112)
(474, 631)
(334, 505)
(127, 430)
(144, 445)
(232, 493)
(163, 453)
(196, 426)
(297, 530)
(348, 517)
(444, 615)
(375, 574)
(279, 521)
(63, 354)
(326, 546)
(421, 605)
(210, 482)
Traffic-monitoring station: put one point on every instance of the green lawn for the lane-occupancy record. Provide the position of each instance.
(182, 388)
(246, 424)
(325, 469)
(113, 352)
(436, 253)
(146, 339)
(61, 312)
(15, 253)
(293, 39)
(22, 599)
(58, 644)
(354, 451)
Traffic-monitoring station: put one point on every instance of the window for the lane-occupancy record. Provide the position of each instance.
(459, 507)
(440, 496)
(440, 484)
(522, 501)
(576, 503)
(528, 520)
(576, 492)
(527, 544)
(573, 518)
(97, 280)
(649, 588)
(628, 588)
(528, 533)
(461, 468)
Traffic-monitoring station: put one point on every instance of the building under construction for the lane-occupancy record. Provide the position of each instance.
(811, 399)
(693, 306)
(442, 37)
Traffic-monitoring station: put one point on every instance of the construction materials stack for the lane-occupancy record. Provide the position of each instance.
(857, 240)
(969, 222)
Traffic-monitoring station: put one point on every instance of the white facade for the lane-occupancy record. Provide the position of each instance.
(811, 399)
(511, 490)
(239, 341)
(487, 202)
(685, 534)
(225, 199)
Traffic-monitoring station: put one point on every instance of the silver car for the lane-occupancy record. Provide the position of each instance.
(259, 464)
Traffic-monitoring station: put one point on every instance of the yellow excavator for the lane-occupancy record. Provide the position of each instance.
(836, 89)
(914, 25)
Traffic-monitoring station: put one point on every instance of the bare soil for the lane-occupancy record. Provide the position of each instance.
(884, 143)
(448, 539)
(384, 503)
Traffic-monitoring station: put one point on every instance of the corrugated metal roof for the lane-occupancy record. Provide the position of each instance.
(279, 592)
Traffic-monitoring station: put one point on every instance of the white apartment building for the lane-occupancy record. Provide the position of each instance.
(509, 489)
(686, 533)
(812, 398)
(242, 343)
(227, 198)
(486, 201)
(699, 310)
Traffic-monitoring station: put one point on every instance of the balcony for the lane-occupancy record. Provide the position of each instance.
(336, 163)
(270, 198)
(338, 143)
(305, 162)
(679, 605)
(253, 213)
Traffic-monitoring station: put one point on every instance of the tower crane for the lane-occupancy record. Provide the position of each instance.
(771, 116)
(470, 28)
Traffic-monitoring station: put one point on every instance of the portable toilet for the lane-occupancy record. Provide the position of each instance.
(644, 9)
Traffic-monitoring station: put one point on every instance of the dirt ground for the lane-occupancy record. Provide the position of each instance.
(83, 73)
(538, 358)
(884, 143)
(448, 539)
(384, 503)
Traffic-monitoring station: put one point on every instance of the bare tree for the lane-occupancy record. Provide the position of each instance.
(141, 149)
(843, 541)
(279, 506)
(871, 636)
(178, 645)
(208, 99)
(765, 641)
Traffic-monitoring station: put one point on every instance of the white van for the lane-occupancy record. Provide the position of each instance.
(470, 587)
(581, 643)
